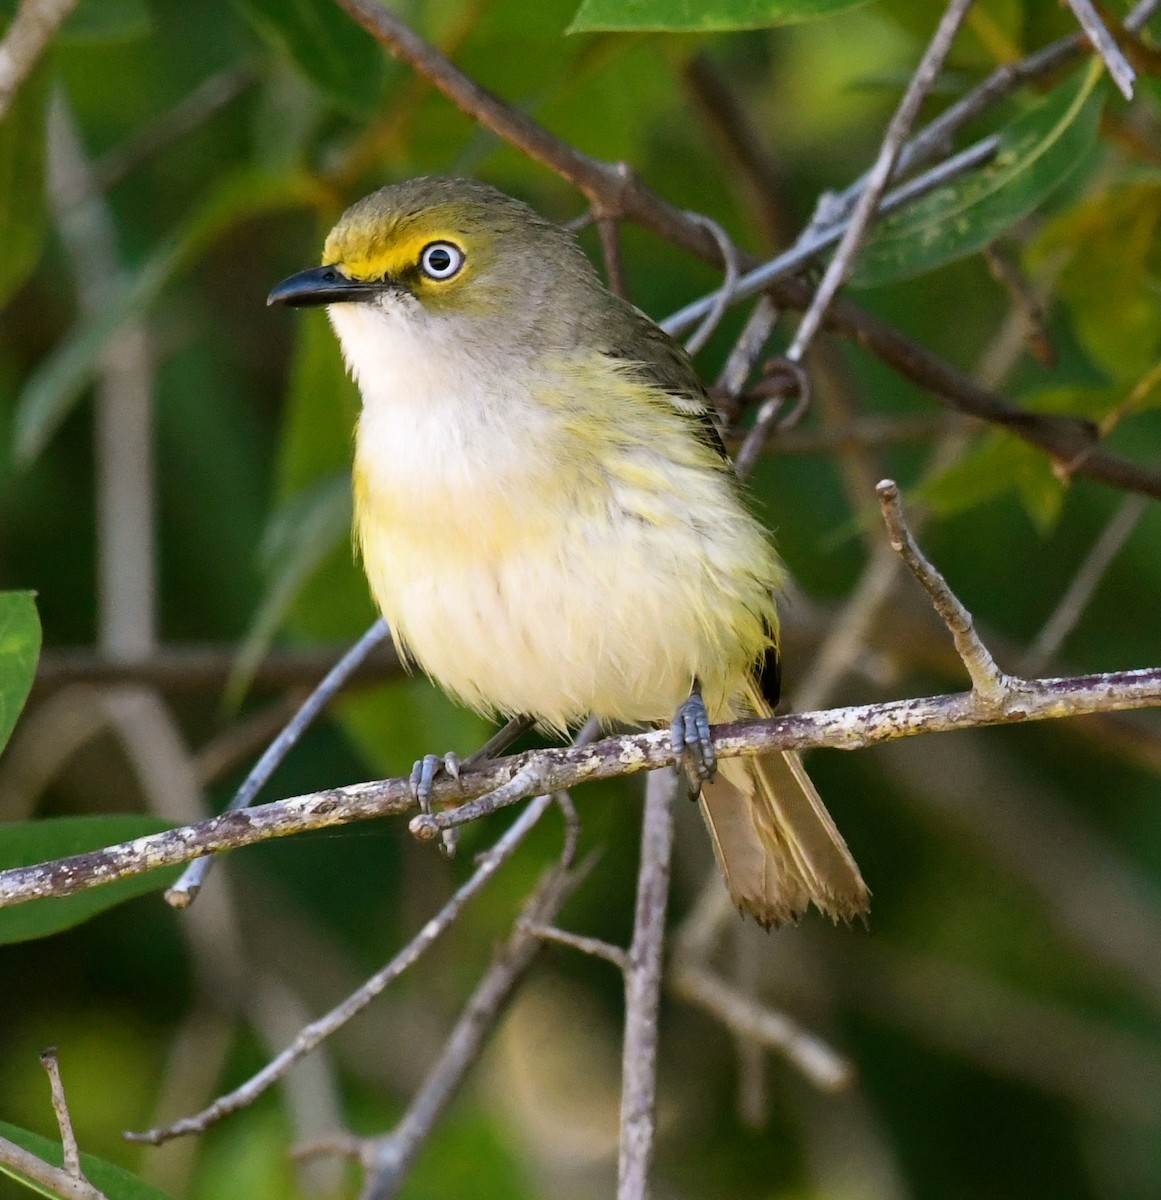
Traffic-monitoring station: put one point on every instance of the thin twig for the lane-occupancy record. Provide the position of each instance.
(818, 239)
(934, 138)
(725, 294)
(848, 728)
(69, 1179)
(1025, 303)
(734, 131)
(608, 229)
(184, 892)
(123, 427)
(391, 1157)
(751, 341)
(1084, 583)
(60, 1106)
(25, 41)
(879, 175)
(585, 945)
(1119, 68)
(988, 681)
(318, 1031)
(643, 991)
(820, 1063)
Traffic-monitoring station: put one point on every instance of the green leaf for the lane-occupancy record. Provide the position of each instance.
(115, 1182)
(23, 218)
(1037, 153)
(700, 16)
(334, 53)
(25, 843)
(60, 380)
(19, 650)
(1109, 245)
(998, 463)
(302, 535)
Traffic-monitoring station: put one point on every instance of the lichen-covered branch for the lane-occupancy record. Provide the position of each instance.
(849, 728)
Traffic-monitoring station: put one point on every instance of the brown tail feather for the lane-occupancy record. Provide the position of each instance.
(776, 844)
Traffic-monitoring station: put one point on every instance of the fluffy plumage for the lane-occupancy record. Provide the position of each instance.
(545, 515)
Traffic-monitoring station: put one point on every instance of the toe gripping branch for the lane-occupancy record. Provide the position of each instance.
(692, 744)
(423, 774)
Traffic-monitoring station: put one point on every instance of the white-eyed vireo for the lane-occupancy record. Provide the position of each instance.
(546, 515)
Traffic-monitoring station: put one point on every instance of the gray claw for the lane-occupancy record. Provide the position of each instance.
(451, 764)
(689, 733)
(422, 776)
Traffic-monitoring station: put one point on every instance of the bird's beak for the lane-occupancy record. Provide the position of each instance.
(321, 285)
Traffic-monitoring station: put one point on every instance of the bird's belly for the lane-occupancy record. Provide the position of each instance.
(605, 616)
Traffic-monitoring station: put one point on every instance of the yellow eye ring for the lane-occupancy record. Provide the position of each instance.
(441, 260)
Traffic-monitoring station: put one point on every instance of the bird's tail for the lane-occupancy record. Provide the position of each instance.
(776, 844)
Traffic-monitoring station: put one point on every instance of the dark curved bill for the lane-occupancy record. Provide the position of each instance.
(320, 285)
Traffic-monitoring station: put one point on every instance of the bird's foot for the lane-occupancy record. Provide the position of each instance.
(423, 776)
(693, 746)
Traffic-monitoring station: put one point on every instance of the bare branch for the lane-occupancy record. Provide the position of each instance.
(56, 1179)
(1085, 582)
(643, 991)
(821, 1064)
(185, 890)
(60, 1106)
(68, 1180)
(933, 139)
(849, 728)
(818, 238)
(725, 294)
(879, 175)
(318, 1031)
(1006, 272)
(392, 1156)
(188, 668)
(989, 683)
(586, 945)
(609, 233)
(754, 336)
(25, 41)
(1118, 66)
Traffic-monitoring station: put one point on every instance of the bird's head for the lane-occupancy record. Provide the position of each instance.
(451, 249)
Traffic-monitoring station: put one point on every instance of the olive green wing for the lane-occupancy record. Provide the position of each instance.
(634, 337)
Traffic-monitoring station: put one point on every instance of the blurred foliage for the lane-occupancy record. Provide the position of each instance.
(1007, 1043)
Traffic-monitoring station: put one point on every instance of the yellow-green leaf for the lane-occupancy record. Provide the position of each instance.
(25, 843)
(19, 650)
(1037, 153)
(700, 16)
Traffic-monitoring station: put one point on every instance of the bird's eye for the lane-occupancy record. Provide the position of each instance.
(441, 260)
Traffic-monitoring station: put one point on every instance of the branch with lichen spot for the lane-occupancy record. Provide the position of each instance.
(849, 728)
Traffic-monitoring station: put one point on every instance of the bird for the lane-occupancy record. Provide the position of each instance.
(548, 519)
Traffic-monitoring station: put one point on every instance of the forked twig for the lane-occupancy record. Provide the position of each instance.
(318, 1031)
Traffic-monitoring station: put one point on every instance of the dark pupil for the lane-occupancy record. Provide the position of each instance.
(438, 260)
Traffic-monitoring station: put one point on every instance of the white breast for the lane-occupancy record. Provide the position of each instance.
(518, 579)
